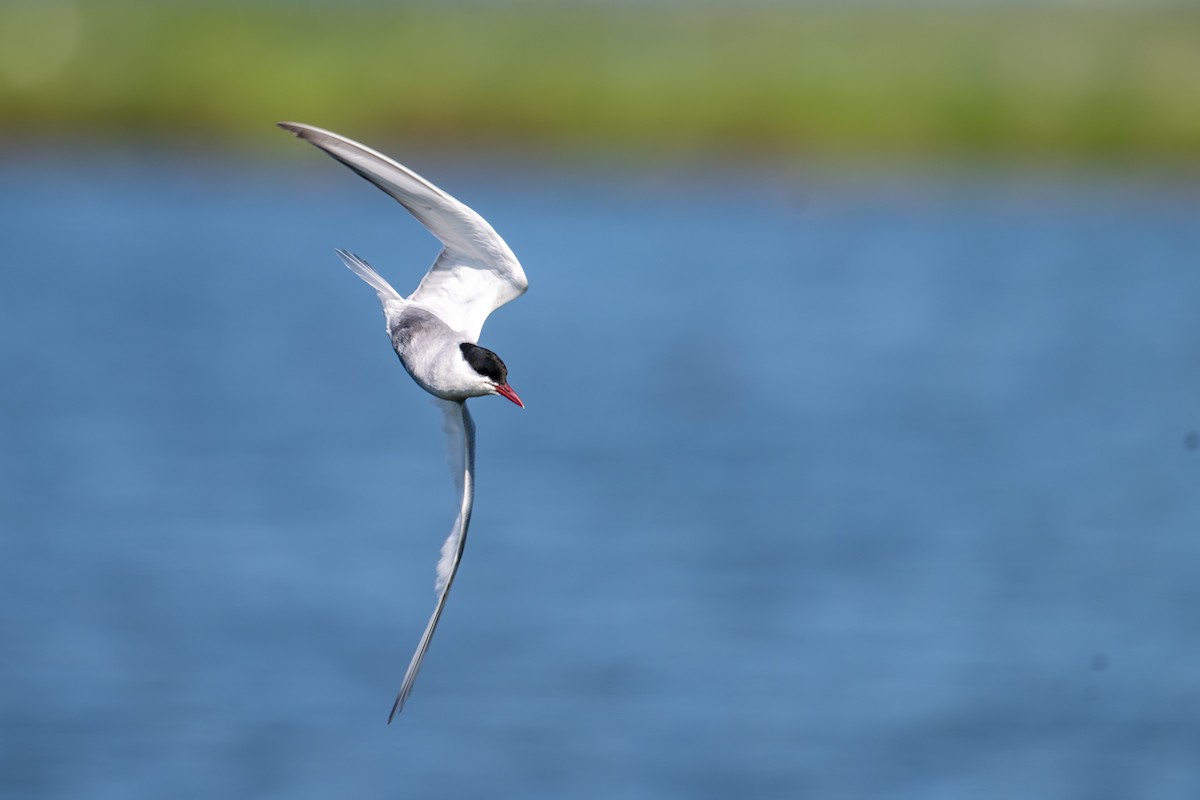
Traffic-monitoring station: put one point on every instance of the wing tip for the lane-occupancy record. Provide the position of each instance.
(309, 133)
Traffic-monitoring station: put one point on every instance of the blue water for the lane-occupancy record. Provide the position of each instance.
(837, 486)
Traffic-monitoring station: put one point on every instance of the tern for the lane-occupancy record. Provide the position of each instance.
(435, 329)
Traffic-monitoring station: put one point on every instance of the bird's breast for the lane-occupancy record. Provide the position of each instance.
(428, 349)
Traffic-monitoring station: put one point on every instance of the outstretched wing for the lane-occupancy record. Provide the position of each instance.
(460, 429)
(475, 273)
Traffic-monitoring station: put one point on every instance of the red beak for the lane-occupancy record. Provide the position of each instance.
(506, 391)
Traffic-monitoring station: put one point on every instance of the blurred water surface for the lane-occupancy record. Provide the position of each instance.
(875, 485)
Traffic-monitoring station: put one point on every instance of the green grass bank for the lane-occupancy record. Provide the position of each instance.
(1111, 84)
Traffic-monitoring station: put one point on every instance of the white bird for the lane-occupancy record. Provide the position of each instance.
(434, 330)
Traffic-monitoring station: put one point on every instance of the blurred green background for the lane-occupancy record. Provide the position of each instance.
(1060, 81)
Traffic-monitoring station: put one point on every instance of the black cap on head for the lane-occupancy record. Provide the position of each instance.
(485, 362)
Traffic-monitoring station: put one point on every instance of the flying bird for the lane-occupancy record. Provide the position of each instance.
(435, 329)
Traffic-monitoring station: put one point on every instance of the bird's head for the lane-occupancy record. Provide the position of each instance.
(493, 375)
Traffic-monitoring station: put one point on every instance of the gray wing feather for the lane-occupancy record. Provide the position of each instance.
(475, 273)
(461, 431)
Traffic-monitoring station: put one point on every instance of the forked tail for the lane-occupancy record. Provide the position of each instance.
(364, 270)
